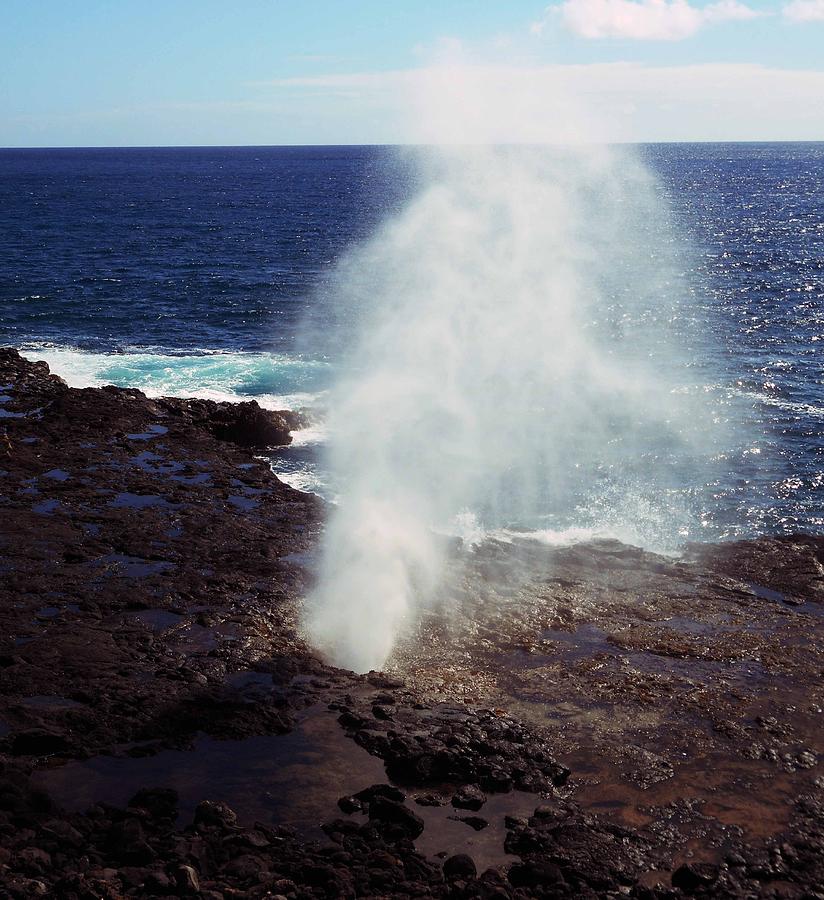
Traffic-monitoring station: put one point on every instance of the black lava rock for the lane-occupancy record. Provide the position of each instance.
(470, 796)
(459, 866)
(390, 812)
(692, 876)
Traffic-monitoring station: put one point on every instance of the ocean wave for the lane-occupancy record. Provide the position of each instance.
(276, 381)
(794, 406)
(646, 530)
(568, 537)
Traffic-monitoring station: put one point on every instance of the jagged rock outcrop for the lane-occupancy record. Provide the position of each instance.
(33, 386)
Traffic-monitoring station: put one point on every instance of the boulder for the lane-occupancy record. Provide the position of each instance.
(470, 796)
(459, 866)
(246, 424)
(397, 816)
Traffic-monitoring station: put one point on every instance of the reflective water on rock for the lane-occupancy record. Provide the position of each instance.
(126, 500)
(247, 504)
(445, 833)
(252, 684)
(767, 594)
(50, 701)
(132, 566)
(157, 619)
(57, 475)
(152, 431)
(199, 478)
(293, 779)
(47, 612)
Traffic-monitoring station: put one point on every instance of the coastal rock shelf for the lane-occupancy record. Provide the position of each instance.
(579, 722)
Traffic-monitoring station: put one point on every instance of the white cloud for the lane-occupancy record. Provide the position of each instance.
(804, 11)
(468, 104)
(644, 20)
(569, 103)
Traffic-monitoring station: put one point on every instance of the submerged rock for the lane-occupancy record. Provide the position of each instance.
(396, 815)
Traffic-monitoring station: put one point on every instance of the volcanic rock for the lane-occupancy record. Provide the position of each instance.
(470, 796)
(459, 866)
(395, 814)
(246, 424)
(151, 581)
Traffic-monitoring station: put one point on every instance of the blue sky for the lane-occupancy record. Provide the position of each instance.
(89, 72)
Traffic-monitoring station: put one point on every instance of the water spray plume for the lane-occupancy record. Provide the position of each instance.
(510, 368)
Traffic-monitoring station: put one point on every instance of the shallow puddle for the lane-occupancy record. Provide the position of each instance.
(157, 619)
(742, 793)
(126, 500)
(251, 684)
(196, 638)
(589, 641)
(132, 566)
(585, 641)
(686, 625)
(199, 478)
(47, 612)
(765, 593)
(710, 672)
(294, 779)
(57, 475)
(690, 765)
(247, 504)
(155, 464)
(50, 701)
(307, 560)
(152, 431)
(246, 488)
(445, 835)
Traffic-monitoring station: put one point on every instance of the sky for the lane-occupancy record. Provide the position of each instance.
(212, 72)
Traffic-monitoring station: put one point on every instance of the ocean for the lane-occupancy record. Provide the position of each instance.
(210, 272)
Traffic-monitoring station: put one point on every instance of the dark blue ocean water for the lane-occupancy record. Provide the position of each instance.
(178, 248)
(196, 270)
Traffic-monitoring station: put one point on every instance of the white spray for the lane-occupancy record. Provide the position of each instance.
(511, 368)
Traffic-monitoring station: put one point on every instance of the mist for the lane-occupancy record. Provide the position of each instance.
(510, 368)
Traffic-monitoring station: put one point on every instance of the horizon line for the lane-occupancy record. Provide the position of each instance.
(393, 145)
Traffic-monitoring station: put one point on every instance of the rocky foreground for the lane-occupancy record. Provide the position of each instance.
(590, 721)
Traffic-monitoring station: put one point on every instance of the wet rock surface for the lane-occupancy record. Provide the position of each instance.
(245, 424)
(585, 721)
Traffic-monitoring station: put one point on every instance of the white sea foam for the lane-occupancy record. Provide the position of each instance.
(792, 406)
(301, 478)
(275, 381)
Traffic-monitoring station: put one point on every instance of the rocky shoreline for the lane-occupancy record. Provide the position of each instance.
(589, 721)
